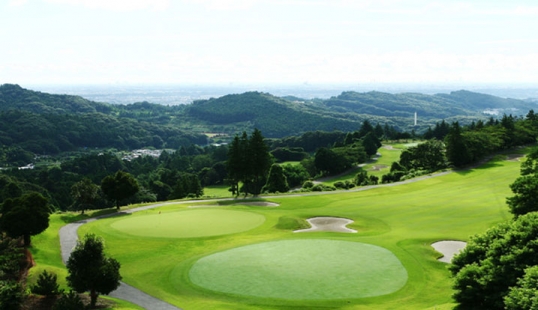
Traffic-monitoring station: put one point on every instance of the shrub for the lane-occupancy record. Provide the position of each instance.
(12, 295)
(308, 184)
(69, 301)
(46, 284)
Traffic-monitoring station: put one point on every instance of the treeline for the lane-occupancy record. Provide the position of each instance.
(50, 134)
(458, 146)
(173, 175)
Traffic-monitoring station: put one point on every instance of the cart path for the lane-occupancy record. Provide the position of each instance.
(68, 235)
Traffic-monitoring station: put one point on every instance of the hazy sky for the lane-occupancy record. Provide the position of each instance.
(268, 41)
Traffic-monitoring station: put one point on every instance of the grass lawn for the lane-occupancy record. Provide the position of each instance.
(45, 250)
(302, 269)
(403, 219)
(187, 224)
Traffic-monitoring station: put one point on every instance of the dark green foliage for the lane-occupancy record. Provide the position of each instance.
(525, 187)
(11, 259)
(91, 270)
(494, 262)
(308, 184)
(248, 162)
(69, 301)
(457, 152)
(46, 284)
(84, 194)
(274, 116)
(119, 186)
(344, 184)
(187, 185)
(12, 295)
(25, 216)
(282, 154)
(524, 296)
(362, 179)
(295, 174)
(276, 181)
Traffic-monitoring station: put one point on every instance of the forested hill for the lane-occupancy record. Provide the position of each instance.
(14, 97)
(440, 106)
(44, 124)
(274, 116)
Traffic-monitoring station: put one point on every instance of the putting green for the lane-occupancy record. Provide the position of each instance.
(189, 224)
(311, 269)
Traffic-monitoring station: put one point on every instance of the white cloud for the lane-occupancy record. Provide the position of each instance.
(117, 5)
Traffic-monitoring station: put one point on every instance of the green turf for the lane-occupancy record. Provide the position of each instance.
(188, 224)
(404, 219)
(302, 269)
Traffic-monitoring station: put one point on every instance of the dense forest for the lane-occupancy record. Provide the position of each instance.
(45, 124)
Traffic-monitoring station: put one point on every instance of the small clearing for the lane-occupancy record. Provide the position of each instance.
(332, 224)
(448, 249)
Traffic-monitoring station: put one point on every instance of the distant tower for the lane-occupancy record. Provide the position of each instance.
(415, 118)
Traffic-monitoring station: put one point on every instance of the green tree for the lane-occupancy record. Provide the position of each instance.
(493, 262)
(276, 181)
(84, 194)
(524, 296)
(525, 187)
(119, 186)
(91, 270)
(25, 216)
(259, 160)
(457, 152)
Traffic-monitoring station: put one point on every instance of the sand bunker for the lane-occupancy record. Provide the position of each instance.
(448, 249)
(333, 224)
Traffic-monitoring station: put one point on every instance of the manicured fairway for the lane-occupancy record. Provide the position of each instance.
(302, 269)
(402, 220)
(189, 224)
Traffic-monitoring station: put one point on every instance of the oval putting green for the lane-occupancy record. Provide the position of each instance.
(311, 269)
(189, 224)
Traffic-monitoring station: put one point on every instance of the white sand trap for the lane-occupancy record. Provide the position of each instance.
(258, 204)
(334, 224)
(448, 249)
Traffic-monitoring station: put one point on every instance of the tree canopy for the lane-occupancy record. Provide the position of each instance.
(25, 216)
(91, 270)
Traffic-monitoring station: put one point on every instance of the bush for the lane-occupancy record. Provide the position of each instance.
(308, 184)
(69, 301)
(322, 188)
(46, 284)
(12, 295)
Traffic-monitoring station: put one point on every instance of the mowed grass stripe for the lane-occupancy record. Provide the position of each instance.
(404, 219)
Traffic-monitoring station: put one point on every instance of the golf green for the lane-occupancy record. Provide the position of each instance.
(311, 269)
(189, 224)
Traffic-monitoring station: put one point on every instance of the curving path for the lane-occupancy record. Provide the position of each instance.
(68, 239)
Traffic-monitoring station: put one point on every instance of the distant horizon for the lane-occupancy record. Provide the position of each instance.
(174, 94)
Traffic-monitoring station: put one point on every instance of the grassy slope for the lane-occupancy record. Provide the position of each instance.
(405, 219)
(46, 253)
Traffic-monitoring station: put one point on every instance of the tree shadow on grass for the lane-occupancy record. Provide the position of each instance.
(72, 217)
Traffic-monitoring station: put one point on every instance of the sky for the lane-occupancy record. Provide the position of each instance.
(268, 41)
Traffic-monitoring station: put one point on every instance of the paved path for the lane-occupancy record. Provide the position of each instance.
(68, 240)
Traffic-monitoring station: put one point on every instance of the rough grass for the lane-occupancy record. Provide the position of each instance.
(405, 219)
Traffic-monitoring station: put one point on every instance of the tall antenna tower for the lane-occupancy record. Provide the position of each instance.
(415, 118)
